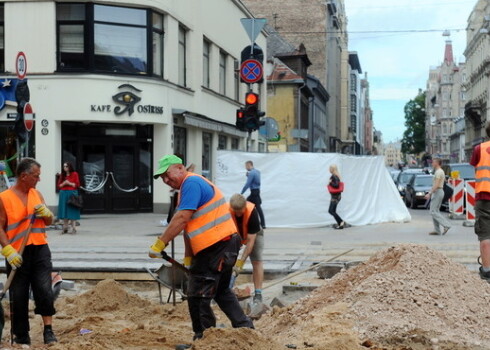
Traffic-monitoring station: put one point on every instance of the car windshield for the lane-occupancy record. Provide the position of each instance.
(465, 171)
(423, 181)
(404, 178)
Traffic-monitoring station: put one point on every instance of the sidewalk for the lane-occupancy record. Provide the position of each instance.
(119, 243)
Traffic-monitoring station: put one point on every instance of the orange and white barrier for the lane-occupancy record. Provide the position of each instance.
(457, 197)
(470, 200)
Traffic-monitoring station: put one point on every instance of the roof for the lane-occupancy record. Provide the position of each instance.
(281, 72)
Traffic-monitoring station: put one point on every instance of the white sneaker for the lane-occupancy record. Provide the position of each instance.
(164, 223)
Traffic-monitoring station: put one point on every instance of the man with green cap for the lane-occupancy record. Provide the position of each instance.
(211, 244)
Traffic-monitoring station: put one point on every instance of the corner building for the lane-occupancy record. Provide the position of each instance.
(115, 86)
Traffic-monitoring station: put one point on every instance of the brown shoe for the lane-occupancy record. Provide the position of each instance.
(434, 233)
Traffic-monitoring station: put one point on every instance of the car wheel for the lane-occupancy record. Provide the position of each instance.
(413, 205)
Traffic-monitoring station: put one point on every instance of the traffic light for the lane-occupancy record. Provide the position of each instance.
(240, 119)
(248, 118)
(22, 96)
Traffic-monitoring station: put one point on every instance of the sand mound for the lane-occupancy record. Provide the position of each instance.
(229, 338)
(407, 295)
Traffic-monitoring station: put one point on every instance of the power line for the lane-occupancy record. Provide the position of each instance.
(372, 31)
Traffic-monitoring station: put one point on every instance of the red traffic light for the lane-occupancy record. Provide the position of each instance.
(251, 98)
(239, 114)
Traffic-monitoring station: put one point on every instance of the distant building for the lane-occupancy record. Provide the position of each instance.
(457, 141)
(367, 114)
(476, 81)
(393, 154)
(322, 27)
(445, 99)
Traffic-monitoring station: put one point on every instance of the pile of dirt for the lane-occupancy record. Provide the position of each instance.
(235, 338)
(407, 296)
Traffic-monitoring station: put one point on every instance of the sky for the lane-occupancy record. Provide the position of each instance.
(397, 64)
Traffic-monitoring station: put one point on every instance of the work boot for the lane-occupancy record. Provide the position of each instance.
(257, 298)
(22, 339)
(49, 336)
(197, 336)
(484, 275)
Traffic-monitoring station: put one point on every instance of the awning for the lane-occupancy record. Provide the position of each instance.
(206, 123)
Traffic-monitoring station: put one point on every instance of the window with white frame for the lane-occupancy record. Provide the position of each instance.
(182, 56)
(157, 42)
(206, 49)
(222, 72)
(237, 79)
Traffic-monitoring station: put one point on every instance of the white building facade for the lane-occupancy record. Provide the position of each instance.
(115, 86)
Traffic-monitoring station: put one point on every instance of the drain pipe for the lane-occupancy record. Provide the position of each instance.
(299, 115)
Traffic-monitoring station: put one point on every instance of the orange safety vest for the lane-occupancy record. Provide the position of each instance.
(19, 218)
(246, 216)
(482, 169)
(211, 222)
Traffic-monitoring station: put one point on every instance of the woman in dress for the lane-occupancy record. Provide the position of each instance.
(68, 184)
(334, 185)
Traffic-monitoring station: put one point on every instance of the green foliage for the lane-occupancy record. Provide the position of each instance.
(413, 141)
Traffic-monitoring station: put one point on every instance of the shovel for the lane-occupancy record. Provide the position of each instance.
(12, 275)
(174, 262)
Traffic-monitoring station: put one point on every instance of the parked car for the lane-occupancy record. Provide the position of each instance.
(394, 174)
(466, 170)
(416, 189)
(404, 177)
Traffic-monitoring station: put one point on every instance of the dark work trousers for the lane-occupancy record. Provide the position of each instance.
(332, 209)
(255, 199)
(35, 272)
(209, 278)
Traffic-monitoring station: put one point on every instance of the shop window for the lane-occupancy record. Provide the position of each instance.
(180, 143)
(8, 147)
(222, 73)
(235, 143)
(113, 39)
(182, 56)
(2, 40)
(206, 47)
(207, 141)
(222, 141)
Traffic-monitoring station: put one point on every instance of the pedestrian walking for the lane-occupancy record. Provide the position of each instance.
(480, 159)
(436, 195)
(248, 224)
(253, 183)
(211, 245)
(68, 184)
(18, 205)
(335, 187)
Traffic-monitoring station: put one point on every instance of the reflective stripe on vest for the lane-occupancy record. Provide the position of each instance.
(482, 169)
(211, 222)
(19, 218)
(247, 213)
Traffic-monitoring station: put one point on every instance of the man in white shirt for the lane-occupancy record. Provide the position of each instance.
(436, 195)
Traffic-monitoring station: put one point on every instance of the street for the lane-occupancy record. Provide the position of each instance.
(119, 243)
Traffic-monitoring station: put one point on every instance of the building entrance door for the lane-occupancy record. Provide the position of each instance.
(115, 173)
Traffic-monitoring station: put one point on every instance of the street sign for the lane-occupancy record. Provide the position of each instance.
(253, 26)
(28, 117)
(11, 115)
(251, 71)
(21, 65)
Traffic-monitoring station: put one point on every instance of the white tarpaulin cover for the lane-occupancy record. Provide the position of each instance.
(294, 193)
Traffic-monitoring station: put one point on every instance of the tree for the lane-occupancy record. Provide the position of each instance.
(413, 141)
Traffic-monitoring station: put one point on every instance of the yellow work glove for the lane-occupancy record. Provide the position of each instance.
(13, 257)
(156, 249)
(238, 266)
(42, 211)
(187, 261)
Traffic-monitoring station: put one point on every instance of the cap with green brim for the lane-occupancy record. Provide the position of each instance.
(165, 163)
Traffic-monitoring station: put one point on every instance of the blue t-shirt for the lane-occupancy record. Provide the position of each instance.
(194, 193)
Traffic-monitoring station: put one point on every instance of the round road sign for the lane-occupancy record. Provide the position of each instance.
(21, 65)
(251, 71)
(28, 117)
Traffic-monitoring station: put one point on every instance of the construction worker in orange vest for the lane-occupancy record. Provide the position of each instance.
(211, 245)
(480, 159)
(19, 206)
(247, 221)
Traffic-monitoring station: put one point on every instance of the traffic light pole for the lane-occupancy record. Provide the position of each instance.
(249, 140)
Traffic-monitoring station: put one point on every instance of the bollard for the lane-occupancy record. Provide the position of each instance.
(470, 203)
(457, 199)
